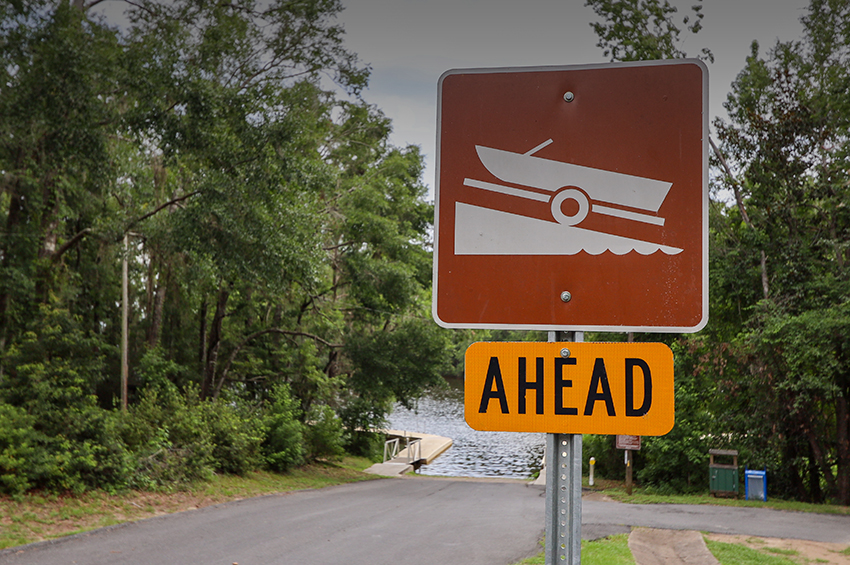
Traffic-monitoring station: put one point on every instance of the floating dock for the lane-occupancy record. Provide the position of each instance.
(420, 449)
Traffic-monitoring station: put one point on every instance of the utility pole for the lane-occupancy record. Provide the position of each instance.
(125, 322)
(125, 318)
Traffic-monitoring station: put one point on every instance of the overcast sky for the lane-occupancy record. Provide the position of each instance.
(410, 43)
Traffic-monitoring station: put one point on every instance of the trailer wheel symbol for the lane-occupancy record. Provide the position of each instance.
(570, 193)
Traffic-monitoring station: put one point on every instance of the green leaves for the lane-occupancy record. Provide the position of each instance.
(273, 233)
(787, 141)
(769, 374)
(641, 30)
(398, 364)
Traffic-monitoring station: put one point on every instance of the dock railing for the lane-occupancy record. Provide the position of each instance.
(413, 448)
(391, 449)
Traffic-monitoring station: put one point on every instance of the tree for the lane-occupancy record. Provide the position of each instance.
(787, 141)
(775, 346)
(641, 30)
(638, 30)
(55, 155)
(274, 231)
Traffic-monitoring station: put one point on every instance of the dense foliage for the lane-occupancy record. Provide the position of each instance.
(277, 245)
(770, 374)
(278, 250)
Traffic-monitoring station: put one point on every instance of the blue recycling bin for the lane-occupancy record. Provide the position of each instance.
(755, 485)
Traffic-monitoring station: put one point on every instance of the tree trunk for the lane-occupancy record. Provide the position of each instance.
(789, 458)
(157, 304)
(817, 451)
(202, 333)
(214, 342)
(13, 219)
(815, 490)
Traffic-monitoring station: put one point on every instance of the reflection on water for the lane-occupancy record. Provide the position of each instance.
(473, 453)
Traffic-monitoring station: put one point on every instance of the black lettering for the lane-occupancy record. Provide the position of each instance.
(536, 385)
(494, 377)
(599, 376)
(630, 388)
(560, 384)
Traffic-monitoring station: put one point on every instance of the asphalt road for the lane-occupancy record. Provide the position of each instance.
(762, 522)
(391, 521)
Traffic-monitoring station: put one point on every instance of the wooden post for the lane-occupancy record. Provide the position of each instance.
(629, 472)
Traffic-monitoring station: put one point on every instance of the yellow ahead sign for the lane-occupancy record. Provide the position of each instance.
(572, 388)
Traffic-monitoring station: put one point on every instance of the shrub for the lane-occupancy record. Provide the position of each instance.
(609, 461)
(169, 439)
(359, 416)
(88, 453)
(283, 444)
(236, 436)
(53, 435)
(324, 435)
(93, 453)
(18, 446)
(155, 371)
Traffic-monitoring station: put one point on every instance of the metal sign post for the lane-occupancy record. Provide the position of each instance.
(563, 488)
(563, 499)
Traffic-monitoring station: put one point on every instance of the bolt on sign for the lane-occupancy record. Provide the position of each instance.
(573, 198)
(571, 388)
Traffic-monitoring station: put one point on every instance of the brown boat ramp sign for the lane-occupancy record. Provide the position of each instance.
(573, 198)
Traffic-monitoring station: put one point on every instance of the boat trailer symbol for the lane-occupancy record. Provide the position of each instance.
(484, 231)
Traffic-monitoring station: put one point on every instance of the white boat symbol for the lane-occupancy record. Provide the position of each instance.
(592, 189)
(603, 187)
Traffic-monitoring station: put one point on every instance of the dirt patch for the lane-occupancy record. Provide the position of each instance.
(651, 546)
(802, 551)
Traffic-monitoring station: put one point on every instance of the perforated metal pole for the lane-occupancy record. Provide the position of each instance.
(563, 488)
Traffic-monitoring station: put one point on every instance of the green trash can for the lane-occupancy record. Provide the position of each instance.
(723, 477)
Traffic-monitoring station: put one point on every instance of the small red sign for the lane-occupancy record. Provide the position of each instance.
(630, 443)
(573, 198)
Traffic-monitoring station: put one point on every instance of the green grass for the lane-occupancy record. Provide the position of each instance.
(735, 554)
(309, 477)
(613, 550)
(617, 491)
(37, 516)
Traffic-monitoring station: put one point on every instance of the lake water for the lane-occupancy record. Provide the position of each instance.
(473, 453)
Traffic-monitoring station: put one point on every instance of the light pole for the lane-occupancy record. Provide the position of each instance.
(125, 319)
